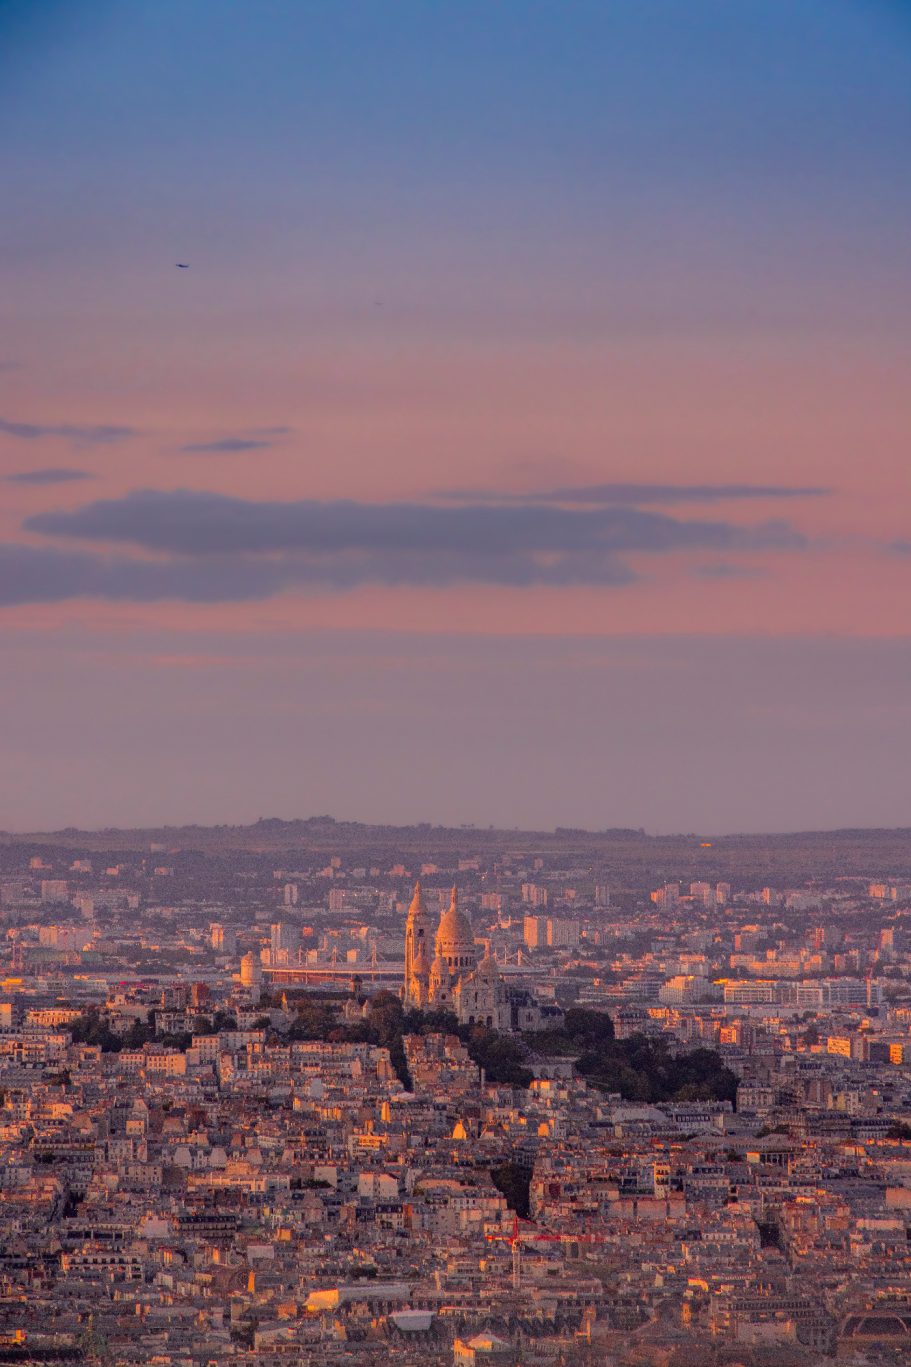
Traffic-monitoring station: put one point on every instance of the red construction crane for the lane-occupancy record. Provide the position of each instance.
(534, 1235)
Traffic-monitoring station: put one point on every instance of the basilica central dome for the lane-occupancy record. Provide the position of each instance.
(455, 938)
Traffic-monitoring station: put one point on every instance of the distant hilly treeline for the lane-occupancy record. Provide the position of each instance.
(640, 1068)
(623, 855)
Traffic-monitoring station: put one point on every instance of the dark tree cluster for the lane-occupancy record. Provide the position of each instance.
(640, 1068)
(91, 1029)
(501, 1056)
(513, 1180)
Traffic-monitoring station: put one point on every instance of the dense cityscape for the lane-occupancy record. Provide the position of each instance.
(316, 1093)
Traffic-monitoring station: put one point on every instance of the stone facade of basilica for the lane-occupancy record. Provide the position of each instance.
(455, 979)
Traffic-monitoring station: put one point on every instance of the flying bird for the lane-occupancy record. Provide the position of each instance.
(183, 265)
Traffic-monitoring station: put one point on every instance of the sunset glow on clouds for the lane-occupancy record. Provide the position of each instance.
(499, 322)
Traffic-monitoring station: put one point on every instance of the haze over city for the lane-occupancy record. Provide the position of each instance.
(523, 440)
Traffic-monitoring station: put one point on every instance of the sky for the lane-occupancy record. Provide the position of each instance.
(525, 442)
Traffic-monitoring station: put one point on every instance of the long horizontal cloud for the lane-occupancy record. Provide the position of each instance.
(51, 474)
(92, 434)
(642, 493)
(192, 523)
(202, 547)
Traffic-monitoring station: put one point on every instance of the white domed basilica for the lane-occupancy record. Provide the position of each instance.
(453, 980)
